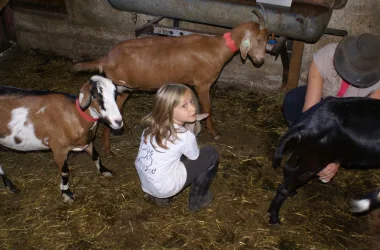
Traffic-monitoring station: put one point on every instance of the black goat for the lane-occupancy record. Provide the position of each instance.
(341, 130)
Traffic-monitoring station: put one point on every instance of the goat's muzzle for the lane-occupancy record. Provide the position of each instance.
(116, 123)
(258, 62)
(117, 131)
(116, 126)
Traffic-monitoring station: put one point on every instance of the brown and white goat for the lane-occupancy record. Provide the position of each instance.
(150, 62)
(42, 120)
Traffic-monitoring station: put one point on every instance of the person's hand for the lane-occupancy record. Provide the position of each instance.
(375, 94)
(328, 172)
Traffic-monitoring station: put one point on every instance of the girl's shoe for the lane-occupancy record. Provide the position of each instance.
(156, 201)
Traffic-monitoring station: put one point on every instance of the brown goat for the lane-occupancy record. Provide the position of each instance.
(42, 120)
(148, 63)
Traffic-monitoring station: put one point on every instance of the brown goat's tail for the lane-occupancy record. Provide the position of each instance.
(88, 66)
(287, 142)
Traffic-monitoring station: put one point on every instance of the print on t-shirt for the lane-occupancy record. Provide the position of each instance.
(146, 159)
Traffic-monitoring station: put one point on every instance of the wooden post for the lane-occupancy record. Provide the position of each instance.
(295, 65)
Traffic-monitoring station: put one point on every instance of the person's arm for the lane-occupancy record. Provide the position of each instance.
(375, 94)
(190, 148)
(314, 87)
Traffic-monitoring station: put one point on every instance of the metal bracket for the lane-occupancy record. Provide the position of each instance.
(153, 28)
(284, 3)
(278, 47)
(147, 28)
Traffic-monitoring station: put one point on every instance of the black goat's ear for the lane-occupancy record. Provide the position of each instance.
(85, 96)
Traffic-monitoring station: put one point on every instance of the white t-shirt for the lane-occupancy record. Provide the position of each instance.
(161, 172)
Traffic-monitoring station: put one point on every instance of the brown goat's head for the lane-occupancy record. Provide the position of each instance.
(255, 39)
(99, 95)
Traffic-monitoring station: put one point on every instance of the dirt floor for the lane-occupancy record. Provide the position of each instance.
(110, 213)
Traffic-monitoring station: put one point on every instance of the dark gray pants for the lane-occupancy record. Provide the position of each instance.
(208, 156)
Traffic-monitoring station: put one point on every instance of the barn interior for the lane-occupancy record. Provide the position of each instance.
(40, 42)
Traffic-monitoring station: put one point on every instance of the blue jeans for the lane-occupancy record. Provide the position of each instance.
(293, 104)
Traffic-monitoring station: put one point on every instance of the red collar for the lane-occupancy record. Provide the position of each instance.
(83, 114)
(343, 88)
(229, 42)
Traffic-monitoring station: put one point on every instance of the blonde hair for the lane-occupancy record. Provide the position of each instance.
(159, 123)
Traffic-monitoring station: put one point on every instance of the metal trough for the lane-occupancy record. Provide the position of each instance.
(303, 21)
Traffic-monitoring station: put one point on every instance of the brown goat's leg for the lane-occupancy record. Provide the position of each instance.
(204, 98)
(61, 160)
(91, 151)
(106, 141)
(120, 99)
(7, 182)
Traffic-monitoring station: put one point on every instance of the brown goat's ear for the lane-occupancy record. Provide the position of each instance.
(245, 45)
(85, 96)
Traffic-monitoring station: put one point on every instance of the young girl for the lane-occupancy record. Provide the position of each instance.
(169, 159)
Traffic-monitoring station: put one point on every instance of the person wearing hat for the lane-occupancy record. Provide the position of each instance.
(348, 69)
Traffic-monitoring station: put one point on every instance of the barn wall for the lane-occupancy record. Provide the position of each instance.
(91, 27)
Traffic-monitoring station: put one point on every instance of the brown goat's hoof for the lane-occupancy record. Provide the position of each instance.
(216, 137)
(107, 174)
(13, 190)
(9, 185)
(109, 154)
(67, 199)
(68, 196)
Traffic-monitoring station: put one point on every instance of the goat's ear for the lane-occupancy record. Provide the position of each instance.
(200, 117)
(245, 45)
(85, 96)
(121, 89)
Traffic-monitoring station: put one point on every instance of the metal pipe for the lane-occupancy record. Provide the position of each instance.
(333, 4)
(301, 22)
(336, 32)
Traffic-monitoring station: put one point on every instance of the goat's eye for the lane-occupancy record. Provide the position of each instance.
(184, 106)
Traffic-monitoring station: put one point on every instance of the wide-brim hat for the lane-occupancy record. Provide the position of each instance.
(357, 60)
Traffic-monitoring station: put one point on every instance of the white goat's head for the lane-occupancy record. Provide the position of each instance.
(99, 95)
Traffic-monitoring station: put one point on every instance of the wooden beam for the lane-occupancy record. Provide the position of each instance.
(295, 65)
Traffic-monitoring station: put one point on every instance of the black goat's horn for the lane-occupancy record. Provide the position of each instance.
(263, 22)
